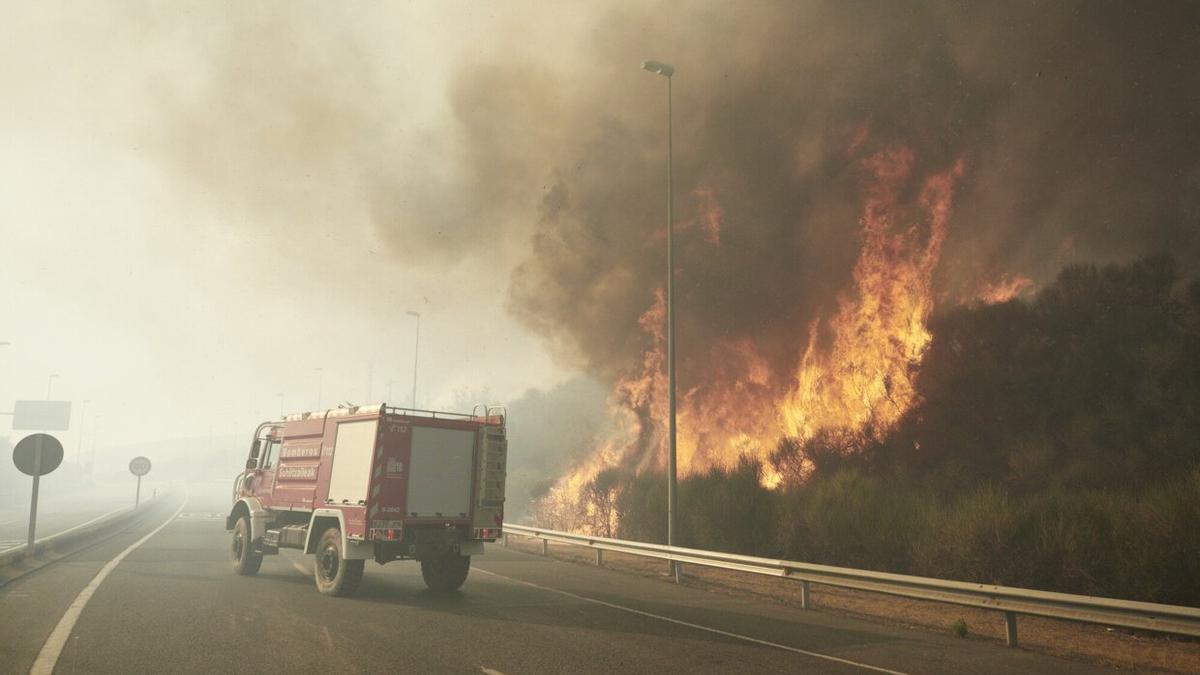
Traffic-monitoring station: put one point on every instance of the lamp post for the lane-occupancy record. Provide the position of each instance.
(416, 348)
(667, 70)
(50, 384)
(280, 395)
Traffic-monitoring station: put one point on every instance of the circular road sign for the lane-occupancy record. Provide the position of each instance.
(139, 466)
(26, 452)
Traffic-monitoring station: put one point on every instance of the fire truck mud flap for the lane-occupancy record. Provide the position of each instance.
(249, 506)
(351, 549)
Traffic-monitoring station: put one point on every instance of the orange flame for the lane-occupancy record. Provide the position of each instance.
(1005, 289)
(861, 380)
(879, 333)
(709, 215)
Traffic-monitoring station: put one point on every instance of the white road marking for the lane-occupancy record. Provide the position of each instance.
(696, 626)
(489, 671)
(48, 657)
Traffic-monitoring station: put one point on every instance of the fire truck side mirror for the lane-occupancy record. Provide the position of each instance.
(251, 464)
(254, 448)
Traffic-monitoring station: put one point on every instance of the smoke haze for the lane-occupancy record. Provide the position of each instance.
(1075, 122)
(216, 199)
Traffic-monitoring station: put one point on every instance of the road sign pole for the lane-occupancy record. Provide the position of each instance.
(139, 466)
(35, 455)
(33, 499)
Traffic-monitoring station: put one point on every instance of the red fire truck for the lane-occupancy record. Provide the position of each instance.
(372, 482)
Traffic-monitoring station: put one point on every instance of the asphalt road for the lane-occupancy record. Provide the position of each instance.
(173, 605)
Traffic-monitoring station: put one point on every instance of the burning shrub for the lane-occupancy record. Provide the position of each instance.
(796, 459)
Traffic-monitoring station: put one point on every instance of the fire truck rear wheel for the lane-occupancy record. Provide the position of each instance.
(334, 574)
(246, 560)
(445, 573)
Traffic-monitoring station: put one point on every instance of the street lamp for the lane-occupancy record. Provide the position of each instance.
(416, 348)
(667, 70)
(280, 395)
(320, 381)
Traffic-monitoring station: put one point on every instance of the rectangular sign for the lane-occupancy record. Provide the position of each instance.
(300, 451)
(296, 473)
(42, 415)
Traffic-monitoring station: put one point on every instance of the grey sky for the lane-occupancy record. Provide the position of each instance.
(183, 294)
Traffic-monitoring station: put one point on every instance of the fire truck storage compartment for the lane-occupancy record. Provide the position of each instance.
(439, 479)
(353, 450)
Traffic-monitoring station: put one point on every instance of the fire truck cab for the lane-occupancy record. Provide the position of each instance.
(372, 482)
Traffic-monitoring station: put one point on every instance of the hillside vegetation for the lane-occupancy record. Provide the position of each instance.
(1055, 444)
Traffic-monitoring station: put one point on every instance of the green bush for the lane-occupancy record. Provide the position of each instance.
(852, 519)
(728, 510)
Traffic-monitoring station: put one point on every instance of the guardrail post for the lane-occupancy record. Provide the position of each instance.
(545, 547)
(1010, 628)
(599, 557)
(805, 595)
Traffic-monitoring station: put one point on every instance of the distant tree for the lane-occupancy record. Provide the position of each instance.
(600, 497)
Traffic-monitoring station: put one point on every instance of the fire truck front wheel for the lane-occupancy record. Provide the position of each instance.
(445, 573)
(334, 574)
(246, 560)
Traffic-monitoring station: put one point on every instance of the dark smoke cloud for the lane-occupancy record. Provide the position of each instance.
(1077, 124)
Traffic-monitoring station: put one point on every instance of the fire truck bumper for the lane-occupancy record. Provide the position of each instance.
(426, 543)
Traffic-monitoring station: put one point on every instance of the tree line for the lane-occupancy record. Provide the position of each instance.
(1053, 444)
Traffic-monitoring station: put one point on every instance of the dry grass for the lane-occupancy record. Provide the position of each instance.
(1119, 648)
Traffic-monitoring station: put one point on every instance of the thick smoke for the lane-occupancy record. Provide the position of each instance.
(317, 126)
(1076, 122)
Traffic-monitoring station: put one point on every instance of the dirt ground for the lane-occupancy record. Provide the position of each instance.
(1115, 647)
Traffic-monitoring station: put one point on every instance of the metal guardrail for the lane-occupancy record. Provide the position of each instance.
(23, 552)
(1012, 601)
(57, 536)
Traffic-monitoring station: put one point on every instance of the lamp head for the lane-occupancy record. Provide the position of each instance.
(659, 68)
